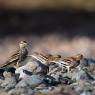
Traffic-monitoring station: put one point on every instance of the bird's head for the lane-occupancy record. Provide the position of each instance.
(79, 56)
(22, 44)
(58, 56)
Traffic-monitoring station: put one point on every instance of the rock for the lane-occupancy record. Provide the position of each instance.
(86, 93)
(44, 89)
(1, 75)
(56, 90)
(66, 80)
(10, 79)
(31, 74)
(35, 67)
(31, 81)
(20, 91)
(88, 65)
(55, 71)
(84, 63)
(35, 80)
(81, 86)
(81, 74)
(50, 81)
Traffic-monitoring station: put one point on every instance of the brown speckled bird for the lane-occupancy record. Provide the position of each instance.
(54, 58)
(73, 61)
(46, 58)
(18, 56)
(40, 56)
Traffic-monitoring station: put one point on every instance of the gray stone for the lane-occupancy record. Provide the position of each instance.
(31, 81)
(9, 82)
(81, 74)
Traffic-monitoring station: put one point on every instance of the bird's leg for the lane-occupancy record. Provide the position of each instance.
(17, 65)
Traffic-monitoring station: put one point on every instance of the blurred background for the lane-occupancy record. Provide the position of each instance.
(65, 27)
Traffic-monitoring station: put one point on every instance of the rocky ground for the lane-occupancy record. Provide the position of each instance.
(41, 77)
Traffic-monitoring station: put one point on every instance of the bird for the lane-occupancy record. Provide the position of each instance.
(67, 63)
(18, 56)
(73, 61)
(43, 58)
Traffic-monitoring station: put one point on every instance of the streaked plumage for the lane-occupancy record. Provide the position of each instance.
(18, 56)
(53, 58)
(67, 63)
(40, 57)
(73, 61)
(44, 57)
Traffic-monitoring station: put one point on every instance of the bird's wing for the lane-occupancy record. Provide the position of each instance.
(14, 57)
